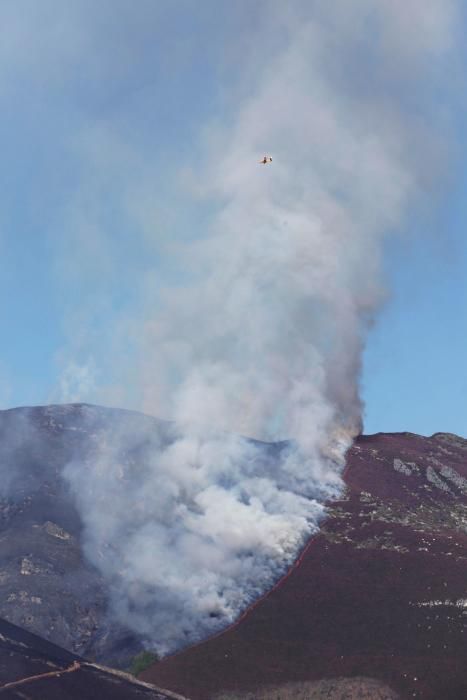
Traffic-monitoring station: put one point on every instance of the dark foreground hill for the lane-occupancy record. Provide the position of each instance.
(34, 669)
(377, 605)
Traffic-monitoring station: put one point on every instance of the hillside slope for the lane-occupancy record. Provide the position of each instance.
(380, 594)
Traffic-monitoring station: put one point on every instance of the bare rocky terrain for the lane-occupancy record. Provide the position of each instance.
(380, 593)
(357, 688)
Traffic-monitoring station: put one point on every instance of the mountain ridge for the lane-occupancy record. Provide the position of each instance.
(401, 521)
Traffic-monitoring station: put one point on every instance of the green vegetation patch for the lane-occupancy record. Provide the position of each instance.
(142, 661)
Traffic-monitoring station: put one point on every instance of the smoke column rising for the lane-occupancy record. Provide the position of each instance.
(265, 340)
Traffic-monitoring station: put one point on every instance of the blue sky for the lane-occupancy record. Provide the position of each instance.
(106, 113)
(414, 376)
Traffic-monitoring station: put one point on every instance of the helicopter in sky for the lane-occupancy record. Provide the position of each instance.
(265, 160)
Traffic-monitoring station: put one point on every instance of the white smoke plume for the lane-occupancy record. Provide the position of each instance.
(265, 338)
(76, 381)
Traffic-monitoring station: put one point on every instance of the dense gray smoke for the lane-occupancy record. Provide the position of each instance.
(190, 528)
(265, 338)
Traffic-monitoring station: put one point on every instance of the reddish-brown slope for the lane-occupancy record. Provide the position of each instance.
(381, 592)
